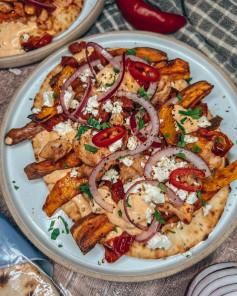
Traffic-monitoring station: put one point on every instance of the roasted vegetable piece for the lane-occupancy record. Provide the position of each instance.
(194, 93)
(176, 69)
(45, 114)
(37, 170)
(64, 190)
(89, 230)
(17, 135)
(222, 178)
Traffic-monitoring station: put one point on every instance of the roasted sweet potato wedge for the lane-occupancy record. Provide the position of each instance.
(176, 69)
(222, 178)
(64, 190)
(194, 93)
(89, 230)
(37, 170)
(17, 135)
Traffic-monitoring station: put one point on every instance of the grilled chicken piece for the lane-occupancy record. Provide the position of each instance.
(56, 149)
(89, 230)
(17, 135)
(37, 170)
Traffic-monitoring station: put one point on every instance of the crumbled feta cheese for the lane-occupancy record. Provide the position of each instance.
(84, 85)
(180, 192)
(102, 88)
(100, 66)
(115, 146)
(85, 75)
(172, 225)
(150, 193)
(149, 213)
(164, 167)
(161, 120)
(48, 98)
(63, 128)
(91, 106)
(159, 241)
(192, 198)
(206, 209)
(108, 106)
(117, 108)
(74, 104)
(59, 109)
(36, 110)
(128, 161)
(73, 173)
(203, 122)
(94, 133)
(68, 97)
(111, 174)
(142, 164)
(25, 37)
(180, 224)
(127, 121)
(132, 143)
(190, 139)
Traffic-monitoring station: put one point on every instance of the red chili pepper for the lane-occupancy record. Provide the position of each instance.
(173, 178)
(36, 42)
(142, 71)
(142, 16)
(108, 136)
(118, 246)
(116, 190)
(221, 143)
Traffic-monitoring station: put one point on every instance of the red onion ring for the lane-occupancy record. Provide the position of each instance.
(112, 90)
(169, 151)
(147, 235)
(104, 53)
(49, 7)
(65, 87)
(206, 272)
(85, 98)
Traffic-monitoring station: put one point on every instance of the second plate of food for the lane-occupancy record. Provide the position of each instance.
(165, 224)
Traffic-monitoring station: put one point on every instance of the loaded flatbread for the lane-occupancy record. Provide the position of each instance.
(129, 150)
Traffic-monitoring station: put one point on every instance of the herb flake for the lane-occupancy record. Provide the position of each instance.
(94, 123)
(195, 114)
(131, 51)
(159, 217)
(162, 187)
(55, 233)
(90, 148)
(82, 129)
(84, 187)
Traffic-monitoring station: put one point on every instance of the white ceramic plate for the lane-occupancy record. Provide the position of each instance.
(26, 202)
(90, 11)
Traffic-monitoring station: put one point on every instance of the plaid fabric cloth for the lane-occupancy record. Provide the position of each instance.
(211, 27)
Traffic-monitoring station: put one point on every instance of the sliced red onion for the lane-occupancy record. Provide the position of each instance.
(173, 100)
(103, 52)
(217, 283)
(49, 7)
(225, 289)
(206, 272)
(147, 235)
(152, 89)
(85, 98)
(65, 87)
(112, 90)
(169, 151)
(134, 127)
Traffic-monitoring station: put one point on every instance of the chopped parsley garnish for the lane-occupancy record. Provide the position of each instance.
(188, 80)
(110, 84)
(159, 217)
(196, 149)
(82, 129)
(65, 165)
(167, 135)
(131, 51)
(105, 125)
(146, 59)
(143, 93)
(51, 225)
(128, 205)
(112, 182)
(16, 187)
(120, 213)
(182, 120)
(181, 155)
(90, 148)
(84, 187)
(124, 156)
(115, 229)
(54, 95)
(171, 231)
(116, 70)
(65, 224)
(203, 203)
(218, 140)
(180, 98)
(55, 233)
(195, 114)
(162, 187)
(140, 123)
(180, 126)
(199, 194)
(94, 123)
(60, 246)
(182, 143)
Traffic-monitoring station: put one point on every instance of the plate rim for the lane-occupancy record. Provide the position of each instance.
(38, 54)
(103, 276)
